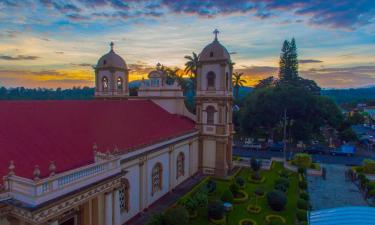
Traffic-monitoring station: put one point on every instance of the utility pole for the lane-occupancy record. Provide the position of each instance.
(284, 135)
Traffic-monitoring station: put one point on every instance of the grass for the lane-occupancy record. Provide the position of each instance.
(239, 211)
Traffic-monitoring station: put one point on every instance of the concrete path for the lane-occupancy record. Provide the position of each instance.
(335, 191)
(166, 201)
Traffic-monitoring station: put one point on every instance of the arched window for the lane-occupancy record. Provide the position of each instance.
(210, 110)
(119, 83)
(211, 79)
(105, 84)
(180, 165)
(124, 196)
(211, 54)
(227, 81)
(157, 172)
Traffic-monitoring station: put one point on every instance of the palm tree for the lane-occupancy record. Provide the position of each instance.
(237, 83)
(191, 68)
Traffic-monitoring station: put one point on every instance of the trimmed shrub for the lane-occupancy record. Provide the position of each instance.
(190, 204)
(177, 216)
(302, 185)
(216, 210)
(256, 176)
(369, 166)
(302, 204)
(302, 171)
(371, 193)
(240, 181)
(254, 209)
(201, 199)
(304, 196)
(234, 188)
(227, 196)
(302, 215)
(157, 219)
(211, 186)
(283, 181)
(303, 223)
(302, 160)
(276, 200)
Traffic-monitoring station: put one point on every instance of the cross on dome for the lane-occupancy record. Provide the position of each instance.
(111, 44)
(216, 32)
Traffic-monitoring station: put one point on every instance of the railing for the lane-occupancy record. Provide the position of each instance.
(29, 190)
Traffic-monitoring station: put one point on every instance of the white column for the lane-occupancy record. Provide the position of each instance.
(108, 209)
(101, 209)
(116, 208)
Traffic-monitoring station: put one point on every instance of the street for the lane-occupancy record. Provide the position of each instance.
(329, 159)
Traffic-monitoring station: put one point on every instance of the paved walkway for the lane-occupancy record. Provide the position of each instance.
(335, 191)
(168, 200)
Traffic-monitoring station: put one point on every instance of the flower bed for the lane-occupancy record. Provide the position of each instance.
(247, 221)
(254, 209)
(272, 217)
(240, 199)
(262, 180)
(221, 221)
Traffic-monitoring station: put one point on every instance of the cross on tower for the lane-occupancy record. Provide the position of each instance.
(112, 44)
(216, 32)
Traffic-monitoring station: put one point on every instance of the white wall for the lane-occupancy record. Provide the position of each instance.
(209, 153)
(185, 150)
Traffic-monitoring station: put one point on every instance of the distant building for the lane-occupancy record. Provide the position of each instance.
(104, 161)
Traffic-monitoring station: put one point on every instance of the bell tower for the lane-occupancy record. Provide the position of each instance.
(214, 99)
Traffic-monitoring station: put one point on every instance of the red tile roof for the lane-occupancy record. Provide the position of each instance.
(37, 132)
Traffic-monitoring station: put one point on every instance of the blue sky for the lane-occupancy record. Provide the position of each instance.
(50, 43)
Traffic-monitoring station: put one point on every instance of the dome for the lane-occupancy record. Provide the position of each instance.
(111, 59)
(214, 51)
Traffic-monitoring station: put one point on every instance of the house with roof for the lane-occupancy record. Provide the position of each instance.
(104, 161)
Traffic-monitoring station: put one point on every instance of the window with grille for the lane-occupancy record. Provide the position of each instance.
(210, 110)
(124, 196)
(157, 178)
(180, 165)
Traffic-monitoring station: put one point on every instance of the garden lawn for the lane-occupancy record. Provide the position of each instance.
(239, 211)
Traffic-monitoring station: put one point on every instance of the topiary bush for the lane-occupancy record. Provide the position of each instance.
(276, 200)
(303, 204)
(190, 204)
(304, 196)
(216, 210)
(227, 196)
(211, 186)
(302, 215)
(240, 181)
(177, 216)
(234, 188)
(302, 160)
(201, 198)
(283, 173)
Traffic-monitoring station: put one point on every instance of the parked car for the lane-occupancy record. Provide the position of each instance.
(276, 146)
(316, 149)
(344, 149)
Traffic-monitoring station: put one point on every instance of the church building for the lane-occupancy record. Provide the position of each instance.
(105, 161)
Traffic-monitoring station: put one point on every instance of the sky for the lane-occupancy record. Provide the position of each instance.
(53, 43)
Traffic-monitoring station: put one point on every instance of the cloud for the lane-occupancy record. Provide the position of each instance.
(60, 53)
(82, 64)
(342, 77)
(18, 57)
(305, 61)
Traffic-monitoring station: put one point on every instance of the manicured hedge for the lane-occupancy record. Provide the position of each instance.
(276, 200)
(302, 215)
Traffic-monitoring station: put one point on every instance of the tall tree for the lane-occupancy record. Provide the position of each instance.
(237, 83)
(266, 82)
(288, 72)
(191, 68)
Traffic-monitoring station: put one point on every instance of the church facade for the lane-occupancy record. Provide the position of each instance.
(105, 161)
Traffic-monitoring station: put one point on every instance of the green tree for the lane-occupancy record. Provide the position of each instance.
(191, 68)
(267, 82)
(237, 83)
